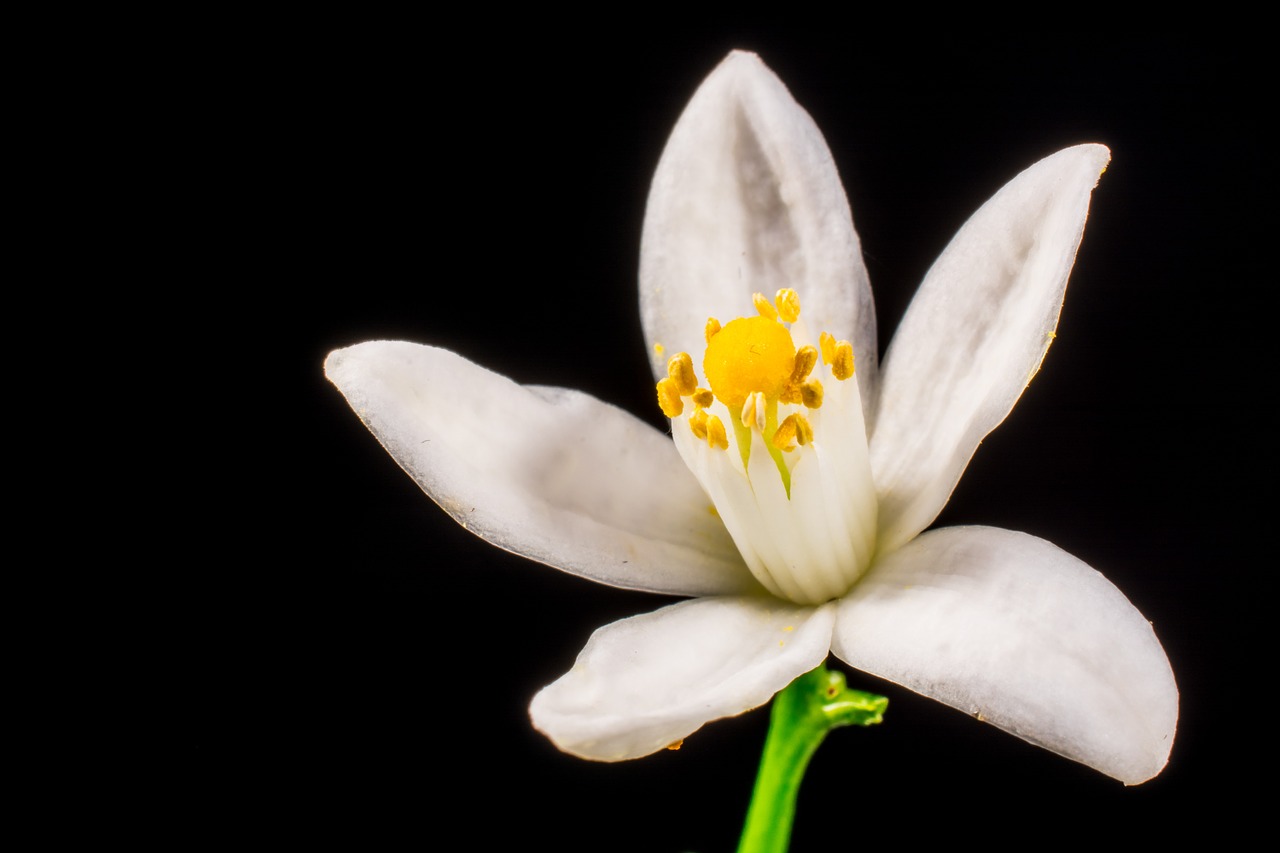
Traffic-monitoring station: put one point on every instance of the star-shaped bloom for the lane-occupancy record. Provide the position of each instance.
(792, 506)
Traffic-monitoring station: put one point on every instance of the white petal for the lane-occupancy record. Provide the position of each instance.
(647, 682)
(555, 475)
(746, 198)
(974, 336)
(1016, 631)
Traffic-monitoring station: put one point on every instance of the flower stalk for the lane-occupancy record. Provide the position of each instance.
(801, 715)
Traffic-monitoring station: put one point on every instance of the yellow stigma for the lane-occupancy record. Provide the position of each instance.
(749, 355)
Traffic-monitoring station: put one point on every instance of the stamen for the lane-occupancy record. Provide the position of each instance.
(762, 305)
(680, 371)
(702, 397)
(710, 329)
(698, 423)
(827, 341)
(669, 398)
(806, 358)
(811, 394)
(795, 429)
(842, 366)
(753, 411)
(804, 430)
(784, 438)
(716, 436)
(788, 302)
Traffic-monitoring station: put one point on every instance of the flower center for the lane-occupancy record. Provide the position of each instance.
(750, 355)
(797, 496)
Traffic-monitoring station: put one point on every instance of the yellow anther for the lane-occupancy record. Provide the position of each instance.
(709, 330)
(716, 436)
(806, 358)
(703, 397)
(698, 423)
(842, 365)
(785, 436)
(658, 349)
(669, 398)
(764, 307)
(804, 430)
(788, 302)
(753, 411)
(680, 371)
(827, 341)
(811, 394)
(794, 430)
(749, 354)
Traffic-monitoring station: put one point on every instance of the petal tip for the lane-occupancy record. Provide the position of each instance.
(739, 58)
(1093, 157)
(746, 68)
(333, 362)
(1100, 156)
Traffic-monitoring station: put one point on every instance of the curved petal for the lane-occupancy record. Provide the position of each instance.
(975, 334)
(552, 474)
(650, 681)
(746, 199)
(1019, 633)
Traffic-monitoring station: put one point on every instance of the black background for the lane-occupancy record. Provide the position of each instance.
(360, 667)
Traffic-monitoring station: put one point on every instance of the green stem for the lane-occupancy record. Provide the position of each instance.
(802, 714)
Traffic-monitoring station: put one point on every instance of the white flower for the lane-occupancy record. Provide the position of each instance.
(791, 554)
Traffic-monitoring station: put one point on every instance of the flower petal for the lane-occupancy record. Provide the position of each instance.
(974, 335)
(552, 474)
(745, 199)
(1021, 634)
(650, 681)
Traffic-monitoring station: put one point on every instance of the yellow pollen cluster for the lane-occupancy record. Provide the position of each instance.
(751, 365)
(792, 431)
(837, 354)
(709, 428)
(681, 382)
